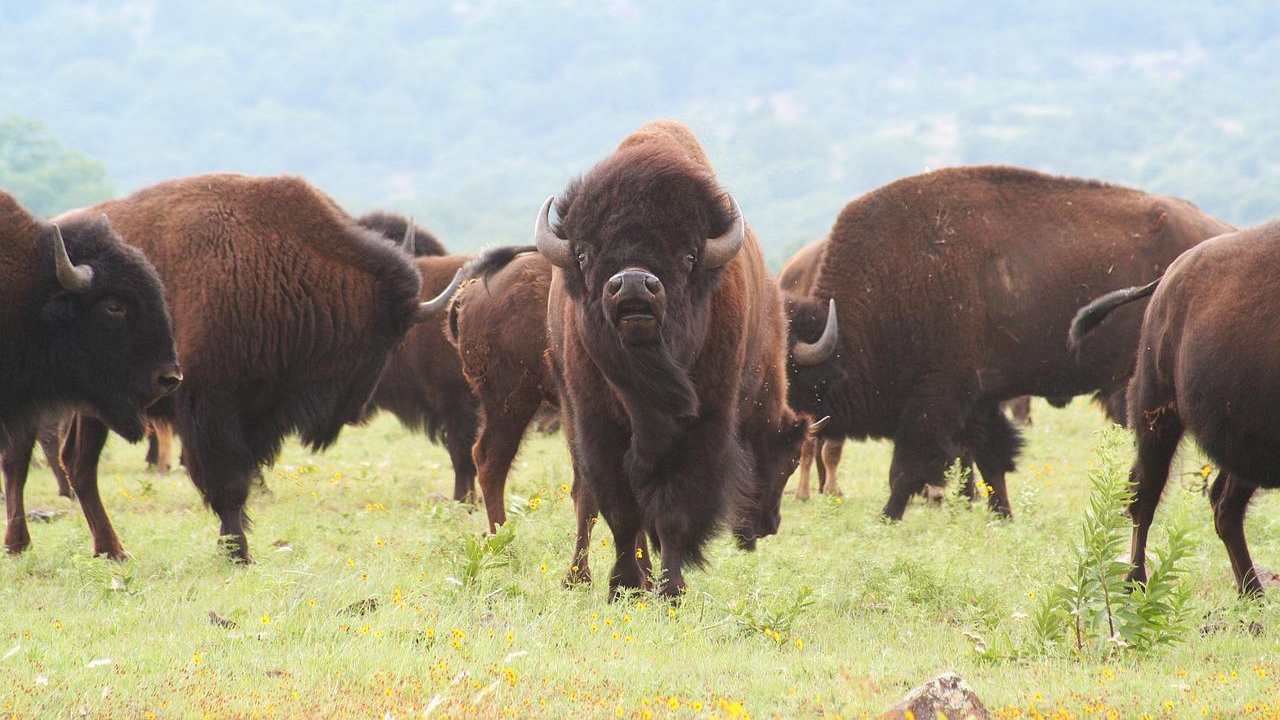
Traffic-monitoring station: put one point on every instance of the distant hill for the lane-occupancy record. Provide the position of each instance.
(468, 113)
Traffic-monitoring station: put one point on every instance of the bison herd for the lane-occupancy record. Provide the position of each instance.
(689, 382)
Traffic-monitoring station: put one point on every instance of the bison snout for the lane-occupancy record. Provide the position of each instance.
(635, 301)
(168, 380)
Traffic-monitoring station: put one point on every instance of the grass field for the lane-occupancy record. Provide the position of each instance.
(362, 602)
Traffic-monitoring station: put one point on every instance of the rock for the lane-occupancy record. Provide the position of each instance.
(45, 516)
(946, 695)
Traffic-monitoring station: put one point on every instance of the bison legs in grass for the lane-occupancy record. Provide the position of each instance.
(15, 459)
(825, 454)
(1230, 498)
(81, 451)
(504, 418)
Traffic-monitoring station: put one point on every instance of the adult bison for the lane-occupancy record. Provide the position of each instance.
(798, 277)
(667, 340)
(423, 385)
(286, 311)
(84, 326)
(955, 290)
(1207, 365)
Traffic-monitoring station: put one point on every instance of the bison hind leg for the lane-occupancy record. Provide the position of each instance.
(995, 444)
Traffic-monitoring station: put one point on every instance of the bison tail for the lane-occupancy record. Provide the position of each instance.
(1091, 316)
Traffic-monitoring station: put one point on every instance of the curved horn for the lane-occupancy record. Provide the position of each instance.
(720, 250)
(553, 247)
(815, 427)
(409, 244)
(821, 351)
(73, 278)
(437, 304)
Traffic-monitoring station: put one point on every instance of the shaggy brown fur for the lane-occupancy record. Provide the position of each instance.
(286, 312)
(955, 289)
(393, 226)
(1207, 366)
(107, 348)
(658, 432)
(497, 321)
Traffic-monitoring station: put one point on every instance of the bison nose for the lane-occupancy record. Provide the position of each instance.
(633, 284)
(168, 380)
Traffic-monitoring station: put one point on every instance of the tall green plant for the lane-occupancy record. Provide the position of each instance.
(1095, 608)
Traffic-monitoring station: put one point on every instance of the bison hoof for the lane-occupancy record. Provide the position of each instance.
(16, 546)
(577, 577)
(802, 495)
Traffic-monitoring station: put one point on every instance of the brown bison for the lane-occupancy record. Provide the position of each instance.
(286, 311)
(423, 385)
(667, 341)
(497, 321)
(84, 326)
(955, 290)
(1206, 366)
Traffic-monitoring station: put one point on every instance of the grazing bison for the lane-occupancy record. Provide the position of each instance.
(84, 325)
(286, 311)
(955, 290)
(1206, 365)
(423, 385)
(667, 341)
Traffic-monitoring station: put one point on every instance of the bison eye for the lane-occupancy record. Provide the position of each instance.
(691, 259)
(114, 309)
(582, 259)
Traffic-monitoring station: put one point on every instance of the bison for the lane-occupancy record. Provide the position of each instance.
(955, 290)
(1206, 365)
(798, 277)
(667, 340)
(85, 326)
(286, 311)
(423, 385)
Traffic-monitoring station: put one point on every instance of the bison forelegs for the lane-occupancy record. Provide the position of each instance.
(830, 451)
(85, 443)
(807, 453)
(16, 462)
(586, 509)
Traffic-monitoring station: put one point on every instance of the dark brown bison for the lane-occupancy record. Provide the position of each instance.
(84, 326)
(798, 276)
(667, 341)
(423, 385)
(286, 311)
(955, 290)
(1206, 365)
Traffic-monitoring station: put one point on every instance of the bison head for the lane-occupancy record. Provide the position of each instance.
(642, 240)
(816, 375)
(110, 337)
(761, 515)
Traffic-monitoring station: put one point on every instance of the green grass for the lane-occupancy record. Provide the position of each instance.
(363, 601)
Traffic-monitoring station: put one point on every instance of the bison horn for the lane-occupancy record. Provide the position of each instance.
(553, 247)
(819, 352)
(720, 250)
(437, 304)
(816, 426)
(409, 243)
(73, 278)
